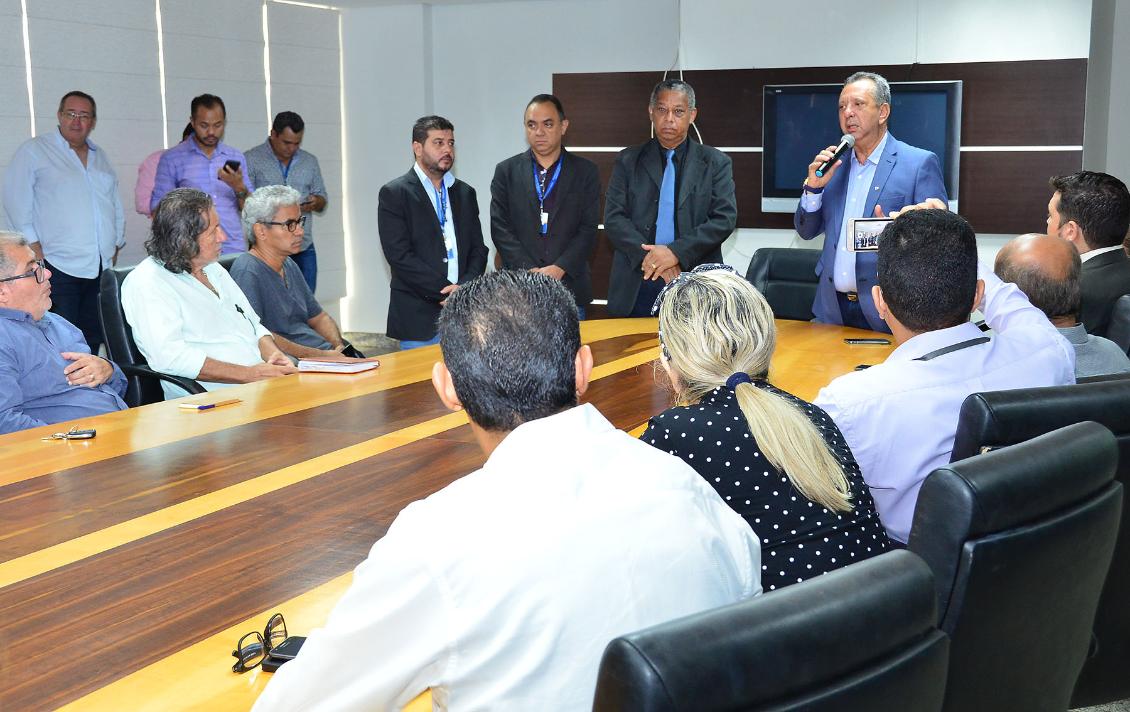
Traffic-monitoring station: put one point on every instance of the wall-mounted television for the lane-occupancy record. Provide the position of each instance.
(801, 119)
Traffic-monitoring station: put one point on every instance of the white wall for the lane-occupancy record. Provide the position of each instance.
(484, 68)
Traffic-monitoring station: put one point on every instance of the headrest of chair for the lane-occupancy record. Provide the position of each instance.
(999, 418)
(1015, 485)
(781, 643)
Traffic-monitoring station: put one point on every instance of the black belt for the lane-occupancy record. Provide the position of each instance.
(953, 347)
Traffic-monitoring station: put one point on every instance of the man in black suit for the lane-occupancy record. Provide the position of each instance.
(545, 204)
(670, 204)
(1092, 211)
(430, 232)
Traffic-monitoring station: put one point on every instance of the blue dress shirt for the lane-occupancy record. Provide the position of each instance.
(33, 389)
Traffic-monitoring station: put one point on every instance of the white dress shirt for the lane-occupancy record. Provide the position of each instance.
(900, 417)
(73, 211)
(1100, 251)
(502, 590)
(178, 322)
(449, 242)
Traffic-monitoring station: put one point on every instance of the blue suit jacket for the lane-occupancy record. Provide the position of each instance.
(905, 175)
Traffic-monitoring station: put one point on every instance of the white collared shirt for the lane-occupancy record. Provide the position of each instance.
(73, 211)
(1095, 253)
(900, 417)
(501, 590)
(449, 242)
(178, 322)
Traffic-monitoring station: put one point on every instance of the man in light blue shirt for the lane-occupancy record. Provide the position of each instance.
(47, 373)
(61, 193)
(879, 176)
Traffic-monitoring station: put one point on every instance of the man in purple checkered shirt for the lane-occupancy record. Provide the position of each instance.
(206, 163)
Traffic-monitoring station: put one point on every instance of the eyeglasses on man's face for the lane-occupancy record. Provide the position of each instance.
(290, 225)
(80, 115)
(38, 273)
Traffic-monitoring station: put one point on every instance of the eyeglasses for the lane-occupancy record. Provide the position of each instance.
(290, 225)
(254, 647)
(80, 115)
(37, 273)
(679, 112)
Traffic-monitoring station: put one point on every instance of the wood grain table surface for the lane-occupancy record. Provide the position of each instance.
(130, 564)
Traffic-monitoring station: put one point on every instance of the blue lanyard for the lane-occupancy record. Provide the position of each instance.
(441, 205)
(285, 169)
(537, 188)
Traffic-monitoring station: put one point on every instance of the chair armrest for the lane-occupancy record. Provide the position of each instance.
(145, 372)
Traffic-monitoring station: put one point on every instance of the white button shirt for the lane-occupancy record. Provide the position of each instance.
(502, 590)
(900, 417)
(178, 322)
(73, 211)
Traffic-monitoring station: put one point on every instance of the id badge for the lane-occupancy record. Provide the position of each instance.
(544, 222)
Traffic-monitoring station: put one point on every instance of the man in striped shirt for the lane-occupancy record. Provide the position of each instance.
(208, 164)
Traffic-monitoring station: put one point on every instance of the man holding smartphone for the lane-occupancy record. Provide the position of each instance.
(208, 164)
(280, 160)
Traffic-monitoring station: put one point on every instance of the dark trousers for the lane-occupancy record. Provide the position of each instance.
(852, 312)
(645, 299)
(307, 261)
(76, 300)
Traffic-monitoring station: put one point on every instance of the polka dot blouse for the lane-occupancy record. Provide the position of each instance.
(799, 538)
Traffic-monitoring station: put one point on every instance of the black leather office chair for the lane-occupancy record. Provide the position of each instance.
(1001, 418)
(859, 638)
(787, 278)
(1020, 540)
(1119, 329)
(144, 384)
(226, 261)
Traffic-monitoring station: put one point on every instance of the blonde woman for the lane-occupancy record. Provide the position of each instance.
(777, 460)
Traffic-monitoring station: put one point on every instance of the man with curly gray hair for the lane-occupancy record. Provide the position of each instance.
(274, 225)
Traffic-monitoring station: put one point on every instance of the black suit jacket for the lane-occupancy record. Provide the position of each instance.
(1105, 278)
(515, 222)
(706, 212)
(413, 245)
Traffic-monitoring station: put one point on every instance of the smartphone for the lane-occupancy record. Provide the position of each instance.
(232, 165)
(881, 342)
(289, 648)
(81, 434)
(864, 233)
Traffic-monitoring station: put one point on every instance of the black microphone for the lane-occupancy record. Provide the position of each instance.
(847, 142)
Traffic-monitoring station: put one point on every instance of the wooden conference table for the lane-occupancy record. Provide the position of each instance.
(131, 563)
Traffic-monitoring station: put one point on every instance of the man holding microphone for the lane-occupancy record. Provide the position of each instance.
(881, 175)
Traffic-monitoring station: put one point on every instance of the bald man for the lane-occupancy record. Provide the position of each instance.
(1047, 268)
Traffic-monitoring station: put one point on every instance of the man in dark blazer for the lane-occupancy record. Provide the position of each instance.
(1092, 211)
(883, 175)
(670, 204)
(545, 204)
(430, 232)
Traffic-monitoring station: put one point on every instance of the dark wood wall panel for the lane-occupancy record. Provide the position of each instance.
(1003, 104)
(1008, 191)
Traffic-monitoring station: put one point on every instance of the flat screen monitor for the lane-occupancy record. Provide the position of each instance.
(801, 119)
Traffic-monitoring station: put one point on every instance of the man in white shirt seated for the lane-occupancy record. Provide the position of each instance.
(189, 317)
(900, 417)
(502, 590)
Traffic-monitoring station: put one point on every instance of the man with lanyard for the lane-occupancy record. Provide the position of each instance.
(206, 163)
(670, 204)
(884, 174)
(61, 193)
(545, 204)
(430, 233)
(900, 417)
(280, 160)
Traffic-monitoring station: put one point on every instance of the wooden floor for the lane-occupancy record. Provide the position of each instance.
(130, 564)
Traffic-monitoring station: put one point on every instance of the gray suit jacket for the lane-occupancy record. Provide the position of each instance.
(706, 212)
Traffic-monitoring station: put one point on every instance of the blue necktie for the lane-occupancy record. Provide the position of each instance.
(665, 222)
